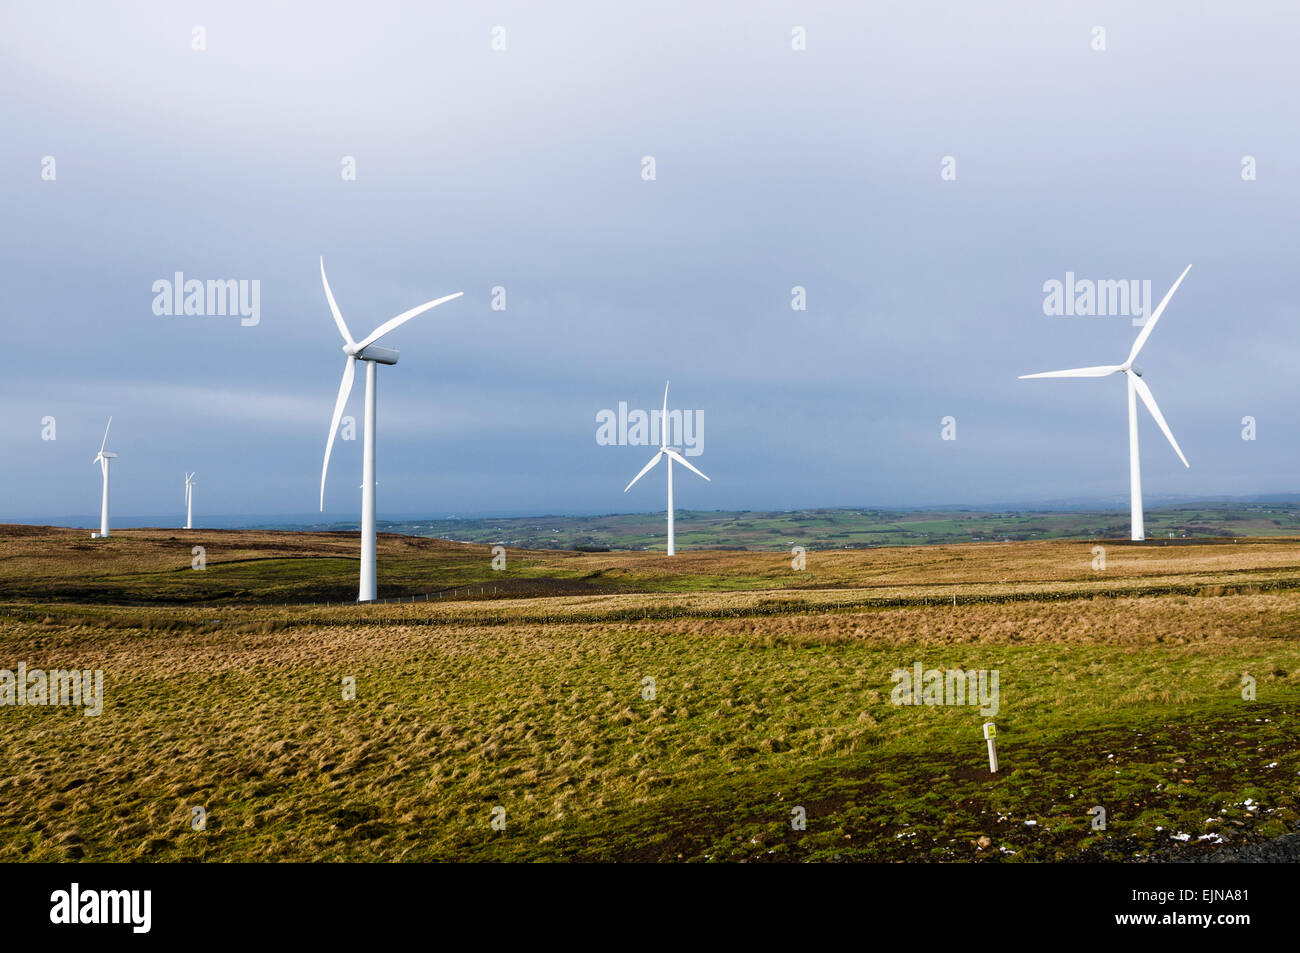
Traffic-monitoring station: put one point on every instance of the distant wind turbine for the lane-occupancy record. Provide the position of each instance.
(671, 454)
(102, 459)
(365, 350)
(189, 499)
(1136, 388)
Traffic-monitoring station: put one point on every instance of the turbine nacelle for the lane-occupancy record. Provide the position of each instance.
(102, 455)
(380, 355)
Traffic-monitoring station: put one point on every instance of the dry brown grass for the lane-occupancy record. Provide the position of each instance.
(30, 553)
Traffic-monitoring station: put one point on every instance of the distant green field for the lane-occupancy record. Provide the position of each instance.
(850, 528)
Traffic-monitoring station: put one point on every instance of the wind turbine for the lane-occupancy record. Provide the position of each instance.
(189, 499)
(1136, 388)
(102, 459)
(364, 350)
(671, 454)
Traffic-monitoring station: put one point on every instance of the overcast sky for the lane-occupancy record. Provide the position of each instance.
(523, 168)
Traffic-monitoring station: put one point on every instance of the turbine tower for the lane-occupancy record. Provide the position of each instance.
(1137, 387)
(189, 499)
(671, 454)
(364, 350)
(102, 459)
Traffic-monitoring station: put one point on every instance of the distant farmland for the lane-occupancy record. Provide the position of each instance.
(851, 528)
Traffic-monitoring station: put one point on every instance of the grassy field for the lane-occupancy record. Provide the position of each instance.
(526, 690)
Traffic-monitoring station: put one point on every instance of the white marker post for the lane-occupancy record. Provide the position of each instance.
(990, 734)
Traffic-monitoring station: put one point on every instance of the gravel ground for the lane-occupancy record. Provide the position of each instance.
(1282, 850)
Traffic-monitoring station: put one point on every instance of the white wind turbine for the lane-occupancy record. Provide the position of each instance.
(1136, 388)
(102, 459)
(671, 454)
(365, 350)
(189, 499)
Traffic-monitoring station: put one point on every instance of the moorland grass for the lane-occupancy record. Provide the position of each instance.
(1121, 689)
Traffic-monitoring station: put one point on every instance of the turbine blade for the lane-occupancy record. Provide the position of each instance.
(683, 461)
(1151, 321)
(345, 388)
(644, 470)
(1102, 370)
(402, 318)
(663, 419)
(104, 443)
(1145, 393)
(329, 296)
